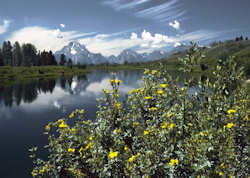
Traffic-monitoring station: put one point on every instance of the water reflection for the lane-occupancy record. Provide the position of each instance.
(26, 108)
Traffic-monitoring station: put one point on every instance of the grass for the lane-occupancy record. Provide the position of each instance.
(11, 75)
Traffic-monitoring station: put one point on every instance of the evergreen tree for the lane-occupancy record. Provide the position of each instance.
(7, 53)
(17, 54)
(62, 60)
(51, 58)
(29, 54)
(1, 58)
(44, 58)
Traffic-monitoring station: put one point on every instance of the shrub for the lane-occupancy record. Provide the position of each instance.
(164, 129)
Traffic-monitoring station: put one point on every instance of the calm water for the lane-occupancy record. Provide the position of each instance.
(25, 109)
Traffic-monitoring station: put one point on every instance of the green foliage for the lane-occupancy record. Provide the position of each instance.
(164, 129)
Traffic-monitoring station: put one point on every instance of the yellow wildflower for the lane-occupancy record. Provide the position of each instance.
(48, 127)
(81, 111)
(89, 145)
(73, 130)
(86, 122)
(131, 159)
(202, 133)
(146, 132)
(154, 72)
(112, 154)
(164, 125)
(118, 131)
(71, 150)
(132, 91)
(169, 115)
(90, 138)
(171, 126)
(153, 109)
(80, 150)
(159, 91)
(60, 121)
(34, 173)
(112, 81)
(147, 97)
(173, 162)
(220, 173)
(106, 91)
(125, 148)
(245, 118)
(62, 125)
(163, 85)
(72, 115)
(230, 125)
(136, 123)
(222, 165)
(118, 105)
(230, 111)
(118, 82)
(42, 170)
(146, 71)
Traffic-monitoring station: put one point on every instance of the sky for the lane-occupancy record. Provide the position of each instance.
(110, 26)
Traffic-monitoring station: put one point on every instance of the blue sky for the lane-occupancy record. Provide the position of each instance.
(110, 26)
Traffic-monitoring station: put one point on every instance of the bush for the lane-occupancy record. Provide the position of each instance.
(162, 130)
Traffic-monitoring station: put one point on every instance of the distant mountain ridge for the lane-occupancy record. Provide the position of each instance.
(80, 54)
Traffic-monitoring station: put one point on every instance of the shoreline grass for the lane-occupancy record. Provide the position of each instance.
(10, 75)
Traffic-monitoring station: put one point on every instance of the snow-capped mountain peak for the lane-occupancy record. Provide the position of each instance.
(80, 54)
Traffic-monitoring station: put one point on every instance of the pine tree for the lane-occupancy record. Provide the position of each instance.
(1, 58)
(17, 54)
(7, 53)
(62, 60)
(29, 54)
(51, 58)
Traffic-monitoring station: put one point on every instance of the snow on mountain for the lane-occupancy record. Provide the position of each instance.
(80, 54)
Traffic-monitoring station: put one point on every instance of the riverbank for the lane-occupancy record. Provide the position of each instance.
(10, 75)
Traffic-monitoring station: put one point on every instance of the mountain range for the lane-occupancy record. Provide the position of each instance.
(80, 54)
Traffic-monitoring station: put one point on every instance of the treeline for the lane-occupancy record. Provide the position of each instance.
(241, 38)
(28, 55)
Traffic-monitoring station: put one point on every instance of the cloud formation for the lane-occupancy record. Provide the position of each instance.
(175, 24)
(106, 44)
(4, 26)
(45, 38)
(144, 42)
(62, 25)
(160, 12)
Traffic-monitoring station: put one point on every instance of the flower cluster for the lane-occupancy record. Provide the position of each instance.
(162, 129)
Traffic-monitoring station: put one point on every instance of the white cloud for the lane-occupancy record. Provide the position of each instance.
(113, 46)
(107, 44)
(175, 24)
(45, 38)
(4, 27)
(62, 25)
(133, 36)
(145, 42)
(119, 4)
(161, 12)
(177, 44)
